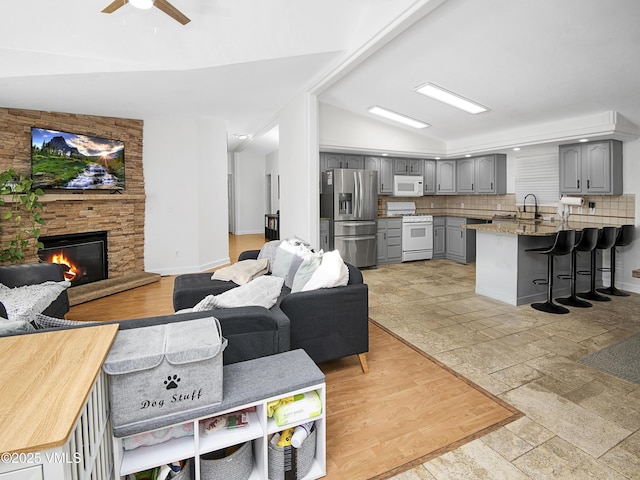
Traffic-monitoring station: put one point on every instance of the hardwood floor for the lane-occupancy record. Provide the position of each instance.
(406, 410)
(153, 299)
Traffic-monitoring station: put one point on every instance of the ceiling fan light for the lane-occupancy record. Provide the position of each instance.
(142, 4)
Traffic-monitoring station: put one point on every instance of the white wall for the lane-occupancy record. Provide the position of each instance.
(299, 170)
(343, 131)
(185, 169)
(249, 184)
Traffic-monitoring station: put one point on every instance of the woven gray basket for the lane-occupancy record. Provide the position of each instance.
(237, 466)
(304, 458)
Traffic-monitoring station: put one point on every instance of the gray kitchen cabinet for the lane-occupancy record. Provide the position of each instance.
(409, 166)
(384, 167)
(389, 240)
(486, 175)
(491, 174)
(591, 168)
(324, 235)
(429, 177)
(340, 160)
(465, 175)
(460, 242)
(446, 176)
(439, 238)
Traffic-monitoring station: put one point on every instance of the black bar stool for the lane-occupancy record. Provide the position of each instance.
(563, 245)
(606, 239)
(587, 242)
(624, 238)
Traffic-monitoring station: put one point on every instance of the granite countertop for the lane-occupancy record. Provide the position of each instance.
(531, 227)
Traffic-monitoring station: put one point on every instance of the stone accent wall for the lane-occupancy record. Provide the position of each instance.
(121, 215)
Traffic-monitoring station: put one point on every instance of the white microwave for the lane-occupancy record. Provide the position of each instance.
(407, 186)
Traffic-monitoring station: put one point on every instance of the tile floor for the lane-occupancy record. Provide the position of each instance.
(579, 423)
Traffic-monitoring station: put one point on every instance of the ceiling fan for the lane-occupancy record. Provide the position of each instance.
(163, 5)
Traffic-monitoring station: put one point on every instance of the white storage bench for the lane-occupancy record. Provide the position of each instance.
(253, 383)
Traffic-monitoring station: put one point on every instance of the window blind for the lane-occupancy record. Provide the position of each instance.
(537, 173)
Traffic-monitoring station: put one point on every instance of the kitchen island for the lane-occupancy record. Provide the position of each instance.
(505, 270)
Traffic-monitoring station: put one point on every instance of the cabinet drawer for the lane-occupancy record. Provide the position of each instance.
(391, 241)
(394, 232)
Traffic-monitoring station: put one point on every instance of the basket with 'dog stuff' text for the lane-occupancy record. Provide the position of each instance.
(157, 372)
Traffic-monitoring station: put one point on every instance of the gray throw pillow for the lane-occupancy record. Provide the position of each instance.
(43, 321)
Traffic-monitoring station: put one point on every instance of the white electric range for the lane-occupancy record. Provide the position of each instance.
(417, 231)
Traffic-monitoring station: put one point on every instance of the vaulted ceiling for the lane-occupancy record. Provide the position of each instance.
(531, 62)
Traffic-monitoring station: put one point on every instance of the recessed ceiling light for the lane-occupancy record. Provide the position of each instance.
(241, 136)
(516, 149)
(583, 140)
(396, 117)
(437, 158)
(385, 154)
(467, 155)
(438, 93)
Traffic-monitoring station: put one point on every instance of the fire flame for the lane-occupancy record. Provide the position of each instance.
(71, 272)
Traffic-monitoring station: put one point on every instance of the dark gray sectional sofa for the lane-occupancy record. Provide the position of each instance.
(328, 323)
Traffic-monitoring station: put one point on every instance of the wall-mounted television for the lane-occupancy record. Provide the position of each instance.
(70, 161)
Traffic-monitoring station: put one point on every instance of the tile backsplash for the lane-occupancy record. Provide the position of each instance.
(616, 209)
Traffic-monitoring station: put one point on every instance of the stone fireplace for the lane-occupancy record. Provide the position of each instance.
(83, 256)
(121, 216)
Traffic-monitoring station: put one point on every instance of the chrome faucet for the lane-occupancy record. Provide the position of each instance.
(536, 215)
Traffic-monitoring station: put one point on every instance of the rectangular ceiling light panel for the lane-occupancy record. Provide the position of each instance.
(437, 93)
(396, 117)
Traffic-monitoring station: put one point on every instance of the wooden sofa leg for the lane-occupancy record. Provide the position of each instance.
(363, 362)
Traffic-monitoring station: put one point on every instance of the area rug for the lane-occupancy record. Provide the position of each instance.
(408, 409)
(621, 359)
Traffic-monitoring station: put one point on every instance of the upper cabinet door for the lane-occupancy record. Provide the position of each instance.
(446, 176)
(402, 166)
(429, 177)
(333, 160)
(486, 174)
(466, 169)
(597, 165)
(353, 161)
(385, 175)
(570, 168)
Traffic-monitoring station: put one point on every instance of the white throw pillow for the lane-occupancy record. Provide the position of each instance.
(284, 257)
(269, 250)
(309, 265)
(332, 272)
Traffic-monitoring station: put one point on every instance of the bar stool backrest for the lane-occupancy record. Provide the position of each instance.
(607, 237)
(564, 243)
(588, 240)
(625, 235)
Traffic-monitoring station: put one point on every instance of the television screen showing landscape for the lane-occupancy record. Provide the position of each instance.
(75, 162)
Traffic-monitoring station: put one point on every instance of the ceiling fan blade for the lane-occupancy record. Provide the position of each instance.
(115, 5)
(172, 11)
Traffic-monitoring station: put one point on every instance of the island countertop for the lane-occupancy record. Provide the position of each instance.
(532, 228)
(46, 378)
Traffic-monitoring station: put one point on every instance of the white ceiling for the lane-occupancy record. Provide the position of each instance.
(531, 61)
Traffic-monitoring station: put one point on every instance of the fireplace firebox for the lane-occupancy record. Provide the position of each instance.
(83, 256)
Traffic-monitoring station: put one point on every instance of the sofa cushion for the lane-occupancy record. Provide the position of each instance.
(332, 272)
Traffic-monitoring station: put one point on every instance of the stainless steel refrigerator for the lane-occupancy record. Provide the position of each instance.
(350, 201)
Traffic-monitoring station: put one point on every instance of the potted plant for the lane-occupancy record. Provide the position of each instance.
(21, 217)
